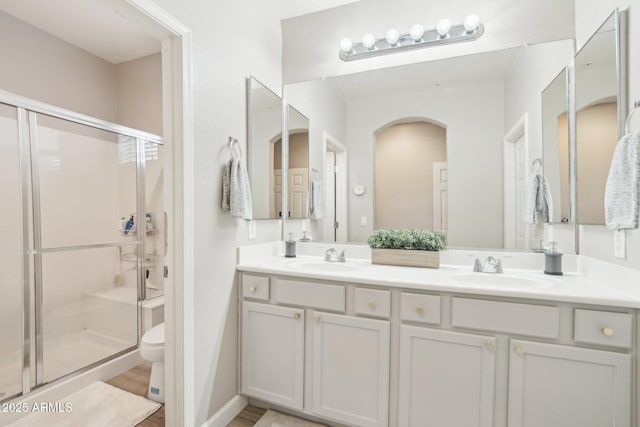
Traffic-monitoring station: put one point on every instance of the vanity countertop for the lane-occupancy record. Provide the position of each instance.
(514, 283)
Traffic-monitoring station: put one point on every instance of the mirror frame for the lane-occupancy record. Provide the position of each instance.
(249, 135)
(567, 77)
(620, 25)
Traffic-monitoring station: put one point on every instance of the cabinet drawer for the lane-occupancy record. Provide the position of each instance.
(313, 295)
(373, 303)
(255, 287)
(513, 318)
(603, 328)
(420, 308)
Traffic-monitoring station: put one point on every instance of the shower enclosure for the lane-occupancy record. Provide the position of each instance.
(74, 268)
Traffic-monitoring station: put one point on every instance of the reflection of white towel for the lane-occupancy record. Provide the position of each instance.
(538, 200)
(621, 204)
(316, 210)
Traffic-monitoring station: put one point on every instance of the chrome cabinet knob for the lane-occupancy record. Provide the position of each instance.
(607, 332)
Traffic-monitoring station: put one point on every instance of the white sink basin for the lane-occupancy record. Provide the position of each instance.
(503, 280)
(321, 266)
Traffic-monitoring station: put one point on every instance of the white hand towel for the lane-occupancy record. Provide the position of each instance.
(240, 191)
(538, 200)
(316, 205)
(226, 187)
(623, 184)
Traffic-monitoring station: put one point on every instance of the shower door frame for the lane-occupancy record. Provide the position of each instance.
(32, 323)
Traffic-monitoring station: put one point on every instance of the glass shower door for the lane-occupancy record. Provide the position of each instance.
(11, 285)
(86, 240)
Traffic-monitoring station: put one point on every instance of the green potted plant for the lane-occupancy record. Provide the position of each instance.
(412, 248)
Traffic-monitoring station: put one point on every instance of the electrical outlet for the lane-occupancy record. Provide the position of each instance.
(620, 244)
(363, 221)
(252, 230)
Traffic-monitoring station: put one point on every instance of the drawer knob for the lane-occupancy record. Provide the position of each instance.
(296, 315)
(420, 310)
(372, 305)
(316, 318)
(607, 332)
(519, 350)
(252, 289)
(489, 345)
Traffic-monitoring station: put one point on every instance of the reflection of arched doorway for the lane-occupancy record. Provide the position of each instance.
(410, 175)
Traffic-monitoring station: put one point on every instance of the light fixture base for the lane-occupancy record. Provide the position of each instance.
(457, 34)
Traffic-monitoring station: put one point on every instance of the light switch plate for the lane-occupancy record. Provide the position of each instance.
(620, 244)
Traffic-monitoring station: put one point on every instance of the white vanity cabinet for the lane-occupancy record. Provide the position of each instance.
(365, 355)
(273, 353)
(446, 378)
(351, 369)
(554, 385)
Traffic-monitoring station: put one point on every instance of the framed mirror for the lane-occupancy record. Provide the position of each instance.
(264, 136)
(600, 111)
(555, 146)
(297, 161)
(448, 132)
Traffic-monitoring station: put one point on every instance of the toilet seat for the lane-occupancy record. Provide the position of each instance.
(154, 336)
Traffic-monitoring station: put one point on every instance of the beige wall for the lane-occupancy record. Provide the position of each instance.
(140, 93)
(299, 150)
(50, 70)
(596, 135)
(404, 157)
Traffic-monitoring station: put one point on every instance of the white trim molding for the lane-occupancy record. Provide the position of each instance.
(228, 412)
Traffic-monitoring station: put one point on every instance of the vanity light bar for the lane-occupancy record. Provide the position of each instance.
(416, 38)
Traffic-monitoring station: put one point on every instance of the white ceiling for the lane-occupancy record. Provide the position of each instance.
(462, 71)
(107, 28)
(293, 8)
(114, 31)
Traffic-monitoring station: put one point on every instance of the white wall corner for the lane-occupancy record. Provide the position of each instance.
(228, 412)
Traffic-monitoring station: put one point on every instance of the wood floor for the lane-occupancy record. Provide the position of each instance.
(136, 381)
(248, 417)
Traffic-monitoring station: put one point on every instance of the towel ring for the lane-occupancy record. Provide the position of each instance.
(636, 106)
(234, 148)
(536, 165)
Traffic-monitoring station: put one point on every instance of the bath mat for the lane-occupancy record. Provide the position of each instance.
(276, 419)
(97, 405)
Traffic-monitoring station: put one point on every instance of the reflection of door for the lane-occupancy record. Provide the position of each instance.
(440, 196)
(330, 196)
(521, 192)
(276, 195)
(298, 188)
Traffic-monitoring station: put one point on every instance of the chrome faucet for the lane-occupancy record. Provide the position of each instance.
(332, 251)
(490, 265)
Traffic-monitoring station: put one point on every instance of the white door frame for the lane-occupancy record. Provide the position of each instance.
(177, 94)
(519, 129)
(342, 183)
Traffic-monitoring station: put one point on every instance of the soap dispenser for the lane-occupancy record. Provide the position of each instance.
(553, 260)
(290, 247)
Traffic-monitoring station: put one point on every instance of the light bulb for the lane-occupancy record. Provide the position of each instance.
(471, 23)
(346, 45)
(392, 36)
(443, 27)
(368, 40)
(416, 32)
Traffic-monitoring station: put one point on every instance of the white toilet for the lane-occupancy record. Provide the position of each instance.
(152, 349)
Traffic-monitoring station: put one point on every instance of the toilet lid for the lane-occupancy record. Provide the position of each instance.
(154, 336)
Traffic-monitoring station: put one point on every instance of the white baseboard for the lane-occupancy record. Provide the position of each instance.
(228, 412)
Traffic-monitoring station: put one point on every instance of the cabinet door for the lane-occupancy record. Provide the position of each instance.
(351, 369)
(273, 353)
(559, 386)
(447, 378)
